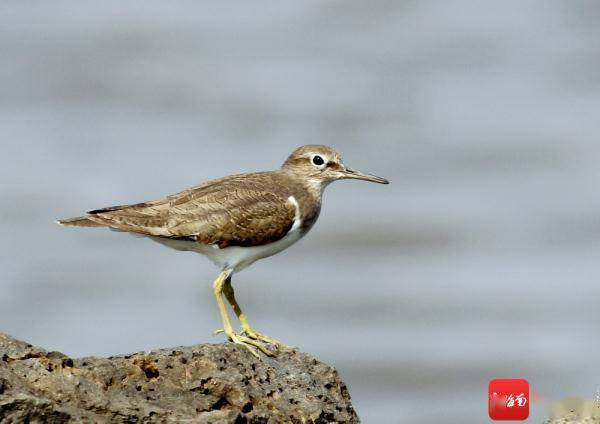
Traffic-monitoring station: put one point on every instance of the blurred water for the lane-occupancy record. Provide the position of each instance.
(479, 261)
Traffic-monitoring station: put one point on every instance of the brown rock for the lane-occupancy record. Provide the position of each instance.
(206, 383)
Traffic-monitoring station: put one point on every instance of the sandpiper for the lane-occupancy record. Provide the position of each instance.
(236, 220)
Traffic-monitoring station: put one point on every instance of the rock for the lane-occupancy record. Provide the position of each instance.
(208, 383)
(574, 418)
(573, 410)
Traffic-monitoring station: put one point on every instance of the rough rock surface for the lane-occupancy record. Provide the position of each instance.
(206, 383)
(574, 418)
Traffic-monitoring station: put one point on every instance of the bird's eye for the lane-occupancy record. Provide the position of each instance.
(318, 160)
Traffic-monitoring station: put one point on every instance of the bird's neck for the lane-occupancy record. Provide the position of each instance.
(312, 186)
(308, 192)
(315, 186)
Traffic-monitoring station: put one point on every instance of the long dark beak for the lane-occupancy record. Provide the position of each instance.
(357, 175)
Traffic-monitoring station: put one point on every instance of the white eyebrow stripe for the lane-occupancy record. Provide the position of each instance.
(297, 220)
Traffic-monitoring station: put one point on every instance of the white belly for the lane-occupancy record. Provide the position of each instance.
(237, 258)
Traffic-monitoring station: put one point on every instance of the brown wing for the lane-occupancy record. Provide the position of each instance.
(241, 210)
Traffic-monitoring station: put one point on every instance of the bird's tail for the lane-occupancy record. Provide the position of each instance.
(79, 221)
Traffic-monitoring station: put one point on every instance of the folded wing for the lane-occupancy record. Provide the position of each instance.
(225, 212)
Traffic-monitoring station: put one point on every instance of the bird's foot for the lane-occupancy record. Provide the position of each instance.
(246, 341)
(255, 335)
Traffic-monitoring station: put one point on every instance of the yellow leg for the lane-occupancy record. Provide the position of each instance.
(227, 328)
(246, 328)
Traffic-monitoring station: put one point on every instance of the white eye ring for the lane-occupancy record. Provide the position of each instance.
(319, 161)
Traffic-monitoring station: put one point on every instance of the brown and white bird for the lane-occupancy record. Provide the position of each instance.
(236, 220)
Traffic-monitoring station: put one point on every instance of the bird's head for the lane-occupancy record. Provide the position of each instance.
(320, 165)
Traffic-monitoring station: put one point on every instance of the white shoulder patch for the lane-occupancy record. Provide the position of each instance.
(297, 220)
